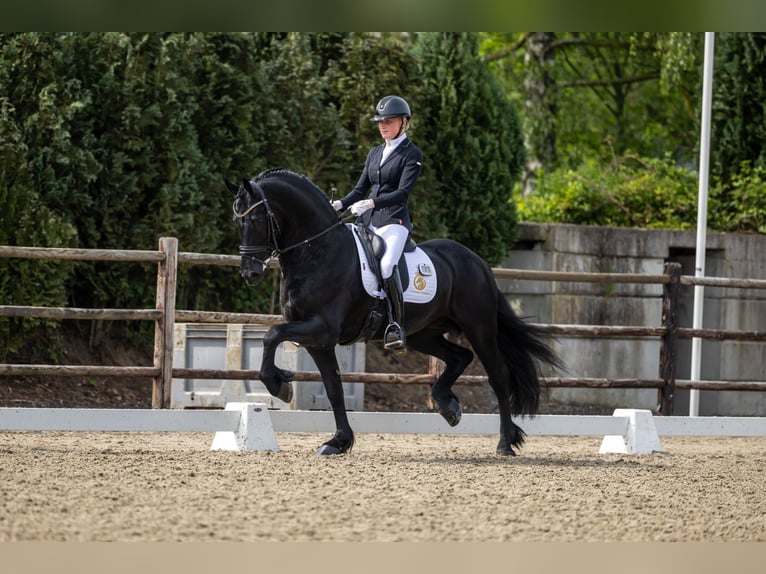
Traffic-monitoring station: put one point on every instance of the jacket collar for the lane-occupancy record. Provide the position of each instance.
(404, 144)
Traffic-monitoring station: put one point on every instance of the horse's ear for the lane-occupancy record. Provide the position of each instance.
(248, 186)
(233, 187)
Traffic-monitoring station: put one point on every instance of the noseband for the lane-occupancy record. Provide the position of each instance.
(272, 248)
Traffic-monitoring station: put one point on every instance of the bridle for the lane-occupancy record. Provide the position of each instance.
(272, 248)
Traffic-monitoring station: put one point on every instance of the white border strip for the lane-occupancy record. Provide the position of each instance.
(433, 423)
(711, 426)
(58, 419)
(149, 420)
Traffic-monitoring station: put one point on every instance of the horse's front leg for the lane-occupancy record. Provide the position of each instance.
(327, 363)
(309, 332)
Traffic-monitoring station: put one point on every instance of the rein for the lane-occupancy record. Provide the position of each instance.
(309, 240)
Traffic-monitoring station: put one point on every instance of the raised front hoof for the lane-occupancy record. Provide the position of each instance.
(283, 375)
(285, 392)
(277, 382)
(452, 412)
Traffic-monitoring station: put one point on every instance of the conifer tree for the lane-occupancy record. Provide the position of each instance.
(472, 143)
(739, 92)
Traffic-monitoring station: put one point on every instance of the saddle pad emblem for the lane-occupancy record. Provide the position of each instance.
(419, 282)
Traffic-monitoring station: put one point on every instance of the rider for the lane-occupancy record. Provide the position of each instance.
(390, 172)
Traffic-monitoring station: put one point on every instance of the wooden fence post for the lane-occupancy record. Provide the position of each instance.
(670, 295)
(164, 327)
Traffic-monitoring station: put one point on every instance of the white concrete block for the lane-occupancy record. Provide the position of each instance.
(641, 436)
(255, 430)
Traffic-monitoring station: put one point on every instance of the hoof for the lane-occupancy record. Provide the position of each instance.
(336, 445)
(285, 392)
(452, 413)
(283, 375)
(327, 449)
(504, 450)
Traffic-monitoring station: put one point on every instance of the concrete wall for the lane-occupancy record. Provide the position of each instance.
(620, 250)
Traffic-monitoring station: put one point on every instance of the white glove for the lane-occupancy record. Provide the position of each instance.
(337, 205)
(362, 206)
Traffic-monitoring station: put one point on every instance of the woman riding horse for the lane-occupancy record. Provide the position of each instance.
(390, 172)
(283, 215)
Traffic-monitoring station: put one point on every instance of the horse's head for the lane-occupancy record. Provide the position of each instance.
(278, 212)
(258, 229)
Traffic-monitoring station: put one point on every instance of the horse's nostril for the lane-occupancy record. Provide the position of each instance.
(250, 277)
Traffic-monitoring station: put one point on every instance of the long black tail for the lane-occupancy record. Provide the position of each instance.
(522, 346)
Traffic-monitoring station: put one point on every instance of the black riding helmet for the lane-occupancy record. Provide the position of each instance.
(391, 107)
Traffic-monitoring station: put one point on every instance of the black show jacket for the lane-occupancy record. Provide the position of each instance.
(389, 184)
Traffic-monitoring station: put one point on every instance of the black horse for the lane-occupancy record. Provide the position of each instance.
(283, 214)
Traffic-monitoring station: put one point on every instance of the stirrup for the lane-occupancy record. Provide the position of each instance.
(393, 338)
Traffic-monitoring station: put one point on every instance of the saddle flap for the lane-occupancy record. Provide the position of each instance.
(378, 245)
(373, 246)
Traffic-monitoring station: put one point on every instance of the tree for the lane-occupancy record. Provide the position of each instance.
(128, 138)
(112, 140)
(584, 89)
(539, 106)
(738, 127)
(472, 142)
(26, 220)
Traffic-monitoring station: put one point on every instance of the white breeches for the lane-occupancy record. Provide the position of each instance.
(395, 237)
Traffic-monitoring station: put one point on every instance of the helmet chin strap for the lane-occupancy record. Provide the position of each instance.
(401, 128)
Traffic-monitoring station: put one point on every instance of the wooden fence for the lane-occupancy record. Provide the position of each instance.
(165, 315)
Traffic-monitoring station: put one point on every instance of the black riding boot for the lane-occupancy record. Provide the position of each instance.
(393, 339)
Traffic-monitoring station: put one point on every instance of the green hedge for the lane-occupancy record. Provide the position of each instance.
(113, 140)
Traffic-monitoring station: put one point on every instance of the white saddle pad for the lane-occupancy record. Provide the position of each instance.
(421, 286)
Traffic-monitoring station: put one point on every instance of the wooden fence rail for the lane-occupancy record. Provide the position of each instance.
(165, 316)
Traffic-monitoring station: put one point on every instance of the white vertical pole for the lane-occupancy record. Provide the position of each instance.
(699, 266)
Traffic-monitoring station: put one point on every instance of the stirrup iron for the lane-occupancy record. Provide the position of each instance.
(393, 339)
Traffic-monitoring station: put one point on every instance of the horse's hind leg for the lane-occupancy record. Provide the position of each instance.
(456, 359)
(484, 343)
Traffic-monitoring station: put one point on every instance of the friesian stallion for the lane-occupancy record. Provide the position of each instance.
(283, 215)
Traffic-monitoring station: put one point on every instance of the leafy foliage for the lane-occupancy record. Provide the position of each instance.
(739, 89)
(25, 220)
(636, 90)
(629, 192)
(745, 203)
(113, 140)
(472, 142)
(638, 97)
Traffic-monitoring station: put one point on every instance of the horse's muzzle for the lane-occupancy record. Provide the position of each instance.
(251, 271)
(251, 278)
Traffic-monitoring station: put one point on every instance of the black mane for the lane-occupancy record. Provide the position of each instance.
(279, 172)
(300, 182)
